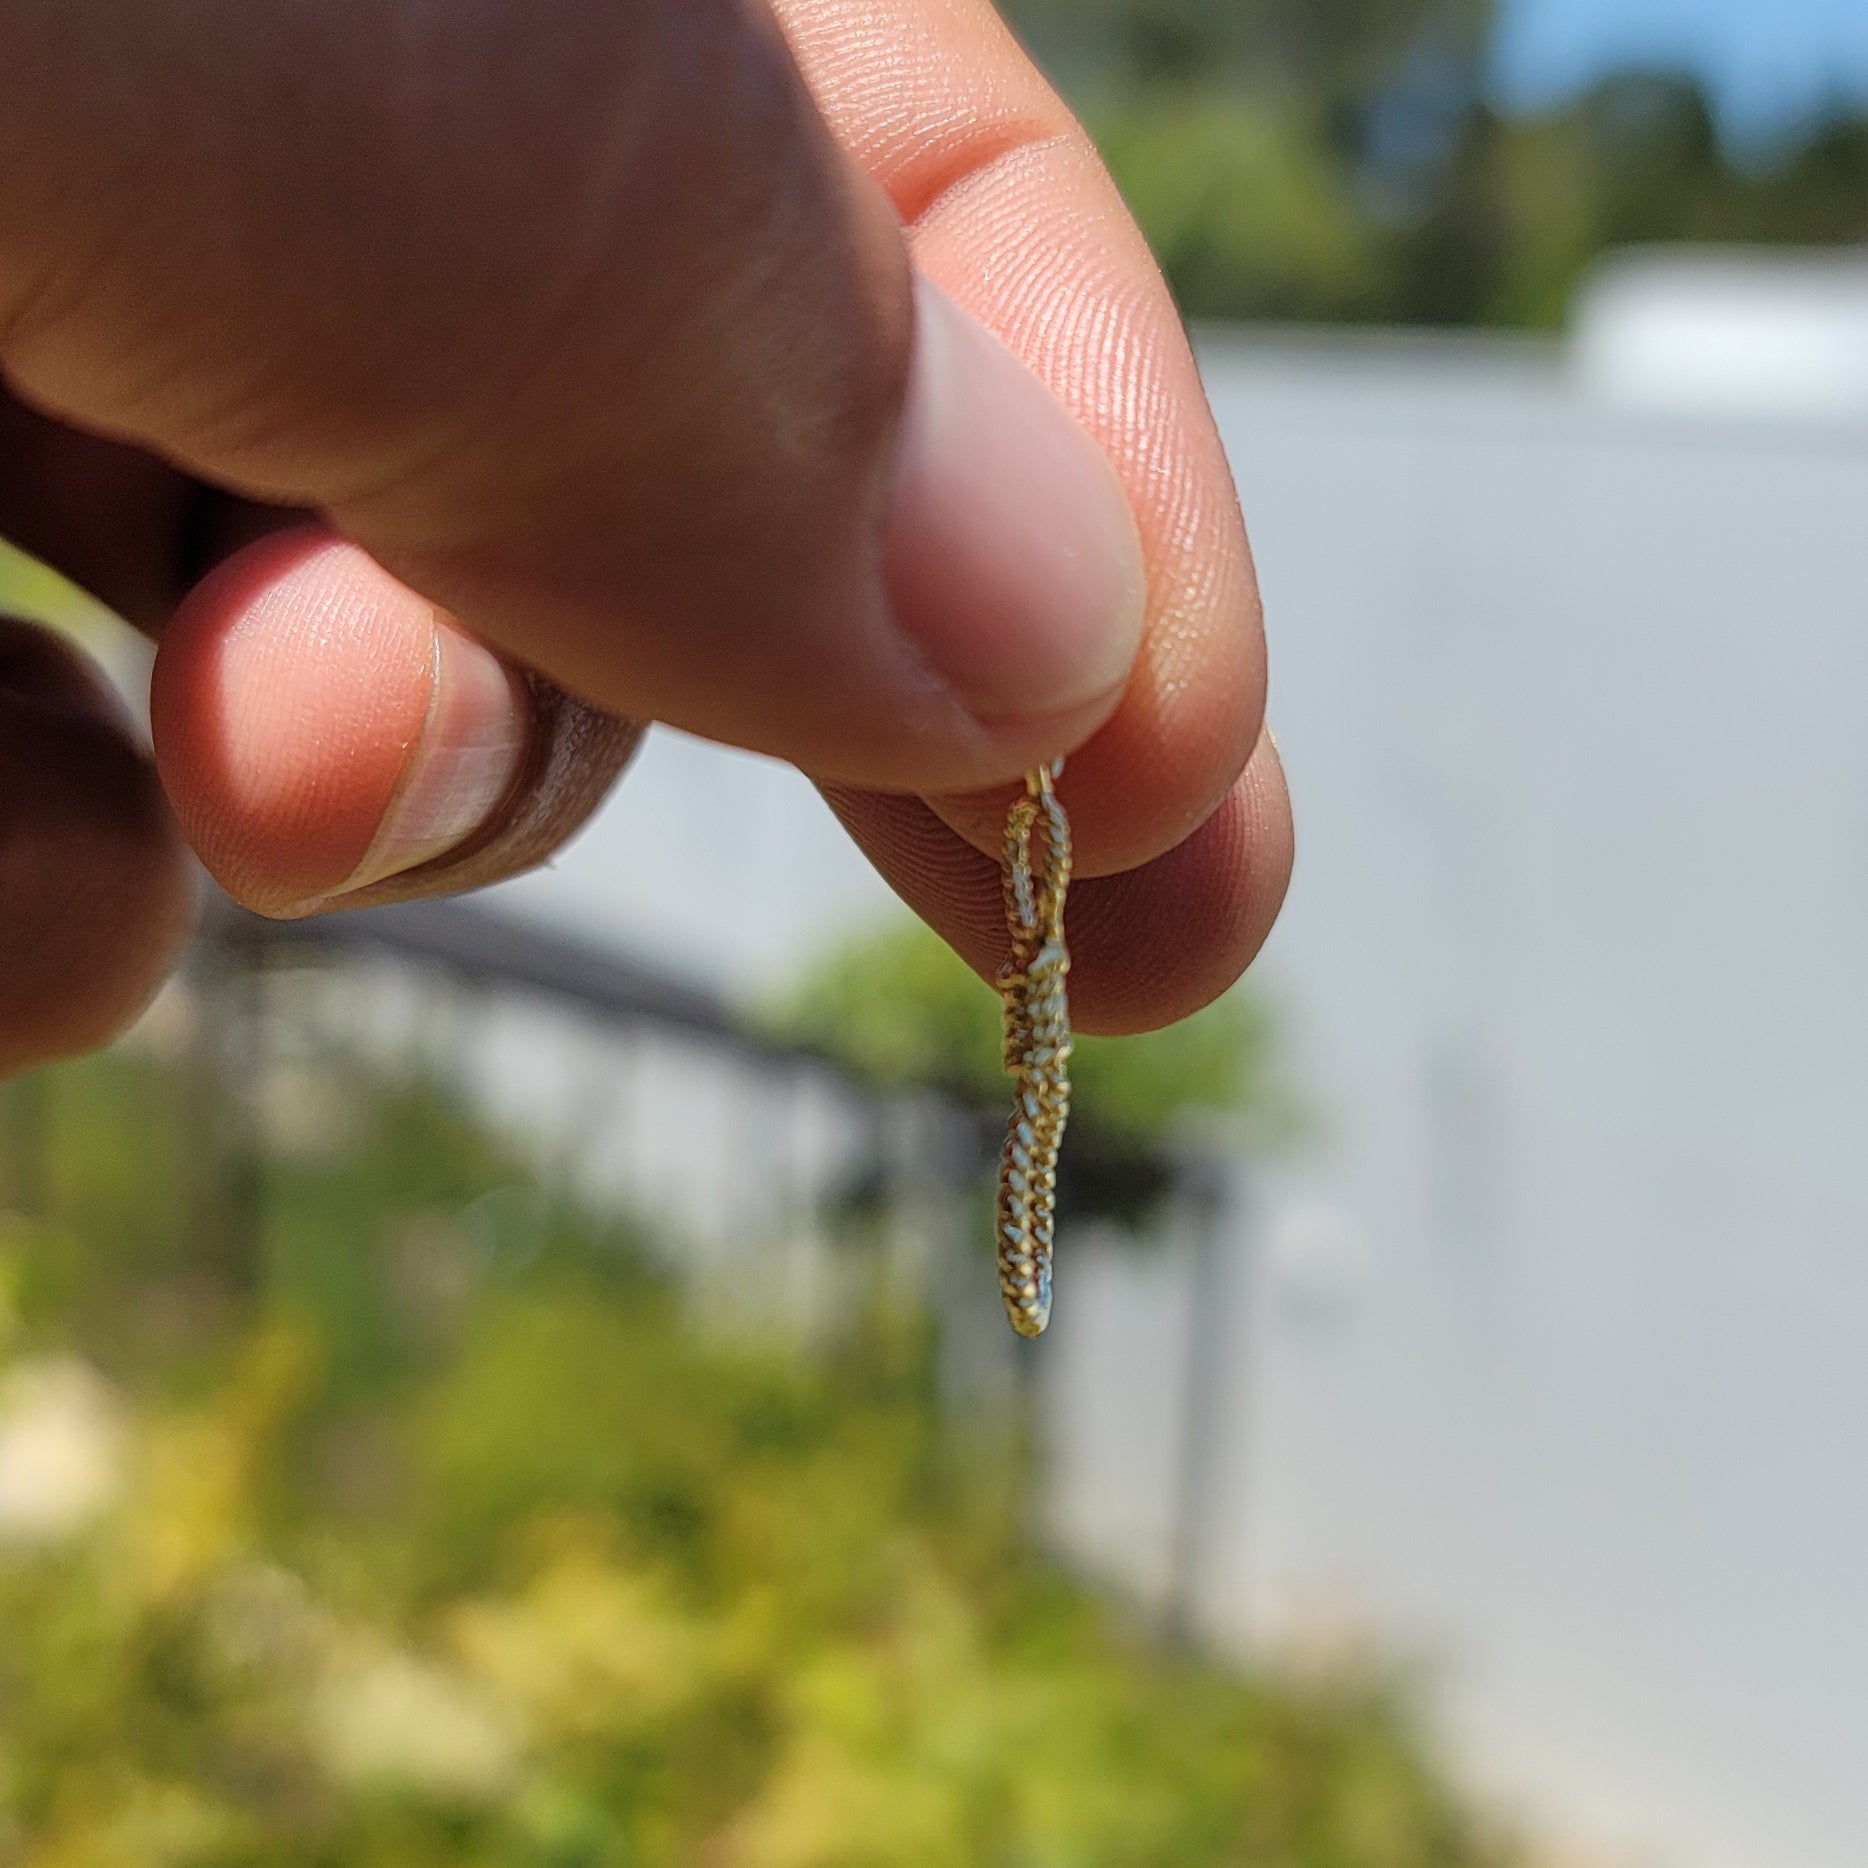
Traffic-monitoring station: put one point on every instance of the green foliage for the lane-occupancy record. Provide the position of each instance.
(899, 1006)
(1246, 210)
(1638, 161)
(544, 1579)
(1337, 160)
(1330, 51)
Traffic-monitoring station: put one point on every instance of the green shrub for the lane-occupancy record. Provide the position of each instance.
(449, 1540)
(898, 1006)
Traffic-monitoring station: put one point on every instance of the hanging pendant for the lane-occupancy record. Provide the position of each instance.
(1037, 1046)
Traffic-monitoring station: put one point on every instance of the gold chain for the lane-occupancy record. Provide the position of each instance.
(1037, 1045)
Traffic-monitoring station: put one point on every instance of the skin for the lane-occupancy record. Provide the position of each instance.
(333, 334)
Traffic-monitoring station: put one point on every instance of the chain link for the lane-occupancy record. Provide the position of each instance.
(1037, 1046)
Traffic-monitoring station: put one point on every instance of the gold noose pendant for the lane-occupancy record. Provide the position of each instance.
(1037, 1045)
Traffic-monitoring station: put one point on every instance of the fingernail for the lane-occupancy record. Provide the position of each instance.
(1013, 560)
(471, 747)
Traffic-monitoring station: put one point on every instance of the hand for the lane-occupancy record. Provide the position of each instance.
(450, 383)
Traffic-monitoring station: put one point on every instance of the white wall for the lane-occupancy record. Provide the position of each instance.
(1575, 706)
(721, 865)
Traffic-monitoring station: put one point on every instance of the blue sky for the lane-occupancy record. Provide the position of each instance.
(1767, 62)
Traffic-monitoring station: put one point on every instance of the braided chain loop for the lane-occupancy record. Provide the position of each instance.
(1037, 1046)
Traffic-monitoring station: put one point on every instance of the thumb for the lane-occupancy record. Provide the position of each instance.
(577, 320)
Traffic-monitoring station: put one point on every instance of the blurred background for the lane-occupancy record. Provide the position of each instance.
(521, 1382)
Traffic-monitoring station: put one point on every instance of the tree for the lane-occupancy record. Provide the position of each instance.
(1333, 160)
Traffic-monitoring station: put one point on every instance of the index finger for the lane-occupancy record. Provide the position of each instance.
(1010, 210)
